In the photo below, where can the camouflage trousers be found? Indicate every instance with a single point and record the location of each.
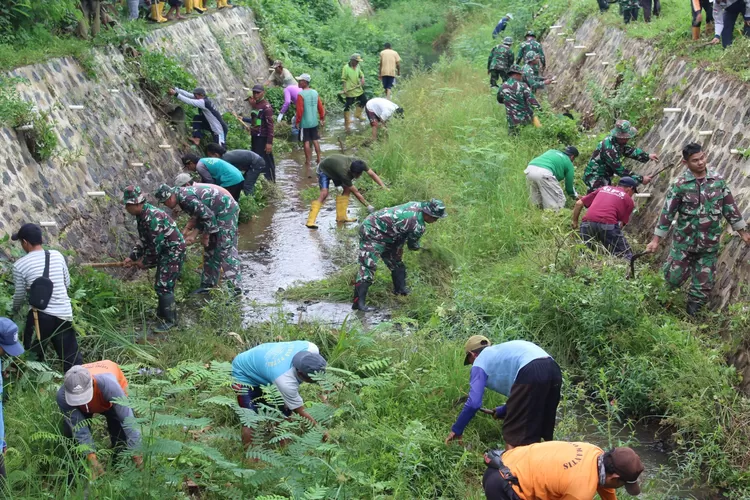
(168, 268)
(370, 250)
(594, 182)
(221, 254)
(700, 267)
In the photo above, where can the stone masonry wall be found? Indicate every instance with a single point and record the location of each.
(117, 127)
(709, 101)
(358, 7)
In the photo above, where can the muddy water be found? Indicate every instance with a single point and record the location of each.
(277, 250)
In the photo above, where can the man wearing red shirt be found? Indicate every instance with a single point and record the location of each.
(609, 209)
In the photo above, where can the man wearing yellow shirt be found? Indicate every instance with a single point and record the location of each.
(353, 80)
(559, 470)
(390, 68)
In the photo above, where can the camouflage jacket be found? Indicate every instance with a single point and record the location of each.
(606, 161)
(518, 101)
(206, 206)
(700, 205)
(531, 46)
(396, 225)
(531, 78)
(501, 58)
(158, 234)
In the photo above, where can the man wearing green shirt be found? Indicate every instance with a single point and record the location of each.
(342, 170)
(544, 173)
(353, 80)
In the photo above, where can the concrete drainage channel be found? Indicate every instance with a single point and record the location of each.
(278, 251)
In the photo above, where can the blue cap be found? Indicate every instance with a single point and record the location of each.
(9, 337)
(628, 182)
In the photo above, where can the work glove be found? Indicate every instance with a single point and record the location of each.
(280, 117)
(370, 209)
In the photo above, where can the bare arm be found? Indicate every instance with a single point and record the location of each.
(577, 213)
(375, 177)
(359, 196)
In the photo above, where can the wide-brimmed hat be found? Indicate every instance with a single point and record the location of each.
(164, 192)
(132, 195)
(515, 69)
(623, 130)
(508, 40)
(530, 56)
(277, 63)
(531, 33)
(434, 208)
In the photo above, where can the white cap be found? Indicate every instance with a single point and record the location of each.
(509, 16)
(305, 77)
(182, 179)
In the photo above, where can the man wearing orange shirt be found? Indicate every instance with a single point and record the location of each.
(558, 470)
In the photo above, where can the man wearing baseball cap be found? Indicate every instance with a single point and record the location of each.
(609, 209)
(53, 323)
(8, 345)
(89, 390)
(280, 76)
(261, 129)
(208, 118)
(558, 469)
(526, 375)
(283, 364)
(310, 114)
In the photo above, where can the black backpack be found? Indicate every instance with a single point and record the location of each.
(40, 290)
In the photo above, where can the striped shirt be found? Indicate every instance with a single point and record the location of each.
(30, 267)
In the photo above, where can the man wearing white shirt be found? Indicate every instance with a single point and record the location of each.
(379, 111)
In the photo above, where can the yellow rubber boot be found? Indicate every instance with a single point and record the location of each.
(160, 9)
(342, 203)
(358, 113)
(198, 6)
(156, 13)
(696, 33)
(347, 120)
(314, 209)
(188, 6)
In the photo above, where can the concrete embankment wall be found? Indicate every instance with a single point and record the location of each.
(117, 127)
(709, 102)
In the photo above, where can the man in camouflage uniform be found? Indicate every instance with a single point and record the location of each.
(161, 245)
(606, 160)
(500, 61)
(518, 100)
(216, 216)
(699, 198)
(531, 72)
(384, 234)
(629, 10)
(531, 45)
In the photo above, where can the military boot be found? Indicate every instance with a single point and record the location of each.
(398, 276)
(167, 313)
(360, 296)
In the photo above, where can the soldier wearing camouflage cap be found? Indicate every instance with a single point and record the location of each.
(606, 160)
(161, 245)
(500, 61)
(518, 99)
(384, 234)
(216, 216)
(702, 199)
(531, 45)
(531, 72)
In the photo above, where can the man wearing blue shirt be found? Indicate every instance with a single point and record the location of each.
(501, 25)
(523, 372)
(283, 364)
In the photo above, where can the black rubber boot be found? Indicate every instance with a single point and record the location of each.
(167, 313)
(360, 297)
(692, 308)
(398, 276)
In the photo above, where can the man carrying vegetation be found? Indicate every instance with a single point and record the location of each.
(531, 45)
(214, 170)
(342, 170)
(526, 375)
(531, 72)
(384, 234)
(310, 115)
(606, 160)
(209, 118)
(285, 365)
(379, 111)
(518, 99)
(500, 61)
(353, 81)
(92, 389)
(700, 198)
(161, 245)
(560, 470)
(609, 209)
(389, 69)
(543, 176)
(250, 164)
(216, 216)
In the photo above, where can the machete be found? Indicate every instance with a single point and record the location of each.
(631, 272)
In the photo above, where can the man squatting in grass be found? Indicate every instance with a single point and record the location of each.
(543, 176)
(342, 170)
(379, 111)
(285, 365)
(526, 375)
(702, 199)
(214, 170)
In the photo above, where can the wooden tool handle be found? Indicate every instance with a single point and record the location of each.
(103, 264)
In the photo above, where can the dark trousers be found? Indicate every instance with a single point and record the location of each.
(258, 146)
(200, 124)
(57, 331)
(497, 74)
(235, 190)
(117, 436)
(361, 100)
(497, 488)
(251, 177)
(609, 235)
(706, 6)
(647, 9)
(603, 5)
(731, 13)
(628, 14)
